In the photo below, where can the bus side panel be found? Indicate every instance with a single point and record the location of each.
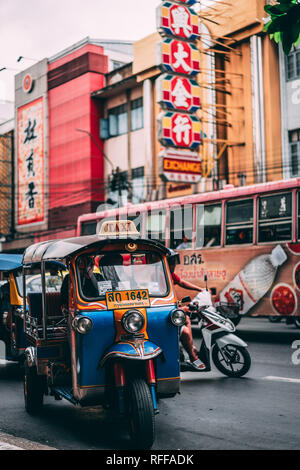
(223, 265)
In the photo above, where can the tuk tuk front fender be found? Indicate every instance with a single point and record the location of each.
(141, 350)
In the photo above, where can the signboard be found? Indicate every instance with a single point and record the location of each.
(178, 57)
(186, 2)
(177, 20)
(27, 83)
(179, 130)
(30, 163)
(180, 165)
(178, 93)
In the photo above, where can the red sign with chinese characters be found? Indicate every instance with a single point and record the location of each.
(178, 21)
(176, 92)
(179, 57)
(30, 163)
(179, 130)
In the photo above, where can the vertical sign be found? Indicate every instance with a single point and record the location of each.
(30, 163)
(178, 93)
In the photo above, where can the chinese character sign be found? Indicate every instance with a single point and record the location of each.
(176, 92)
(179, 130)
(30, 163)
(178, 57)
(177, 20)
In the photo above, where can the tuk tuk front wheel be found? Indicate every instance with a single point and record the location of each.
(141, 414)
(34, 387)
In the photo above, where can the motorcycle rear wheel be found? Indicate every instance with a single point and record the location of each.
(141, 414)
(231, 360)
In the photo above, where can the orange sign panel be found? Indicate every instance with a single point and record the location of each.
(127, 299)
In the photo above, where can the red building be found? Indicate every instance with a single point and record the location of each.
(59, 169)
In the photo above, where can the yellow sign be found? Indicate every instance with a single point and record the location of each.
(127, 299)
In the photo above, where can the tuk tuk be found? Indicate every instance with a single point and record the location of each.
(111, 335)
(11, 303)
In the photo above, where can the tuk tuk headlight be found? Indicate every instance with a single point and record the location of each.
(178, 317)
(82, 324)
(133, 321)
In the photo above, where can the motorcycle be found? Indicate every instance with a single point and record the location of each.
(219, 343)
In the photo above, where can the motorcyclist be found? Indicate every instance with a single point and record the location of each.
(186, 335)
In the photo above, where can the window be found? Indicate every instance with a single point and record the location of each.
(239, 222)
(294, 145)
(156, 226)
(275, 218)
(137, 114)
(117, 120)
(88, 228)
(181, 227)
(138, 185)
(293, 65)
(209, 220)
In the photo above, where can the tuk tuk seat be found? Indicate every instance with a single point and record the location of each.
(34, 300)
(53, 305)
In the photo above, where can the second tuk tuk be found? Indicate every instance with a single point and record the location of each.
(11, 311)
(111, 335)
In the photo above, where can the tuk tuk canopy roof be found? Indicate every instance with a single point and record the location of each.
(10, 262)
(60, 249)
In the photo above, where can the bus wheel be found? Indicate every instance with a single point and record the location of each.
(34, 387)
(141, 414)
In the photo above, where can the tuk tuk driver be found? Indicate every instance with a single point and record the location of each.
(186, 335)
(87, 278)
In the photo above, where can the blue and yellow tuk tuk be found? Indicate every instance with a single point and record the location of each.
(110, 336)
(11, 307)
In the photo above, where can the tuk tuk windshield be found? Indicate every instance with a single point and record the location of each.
(121, 271)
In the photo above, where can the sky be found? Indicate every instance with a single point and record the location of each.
(37, 29)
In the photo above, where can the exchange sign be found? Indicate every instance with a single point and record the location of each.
(178, 93)
(180, 165)
(177, 20)
(179, 130)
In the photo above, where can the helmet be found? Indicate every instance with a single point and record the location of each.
(173, 257)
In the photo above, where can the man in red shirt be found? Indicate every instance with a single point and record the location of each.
(186, 336)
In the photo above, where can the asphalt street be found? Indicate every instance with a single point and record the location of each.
(259, 411)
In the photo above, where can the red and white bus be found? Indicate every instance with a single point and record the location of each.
(246, 239)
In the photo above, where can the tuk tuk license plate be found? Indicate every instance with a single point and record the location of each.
(127, 299)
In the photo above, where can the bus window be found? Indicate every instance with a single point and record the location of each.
(239, 222)
(181, 227)
(275, 218)
(156, 226)
(88, 228)
(209, 220)
(137, 219)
